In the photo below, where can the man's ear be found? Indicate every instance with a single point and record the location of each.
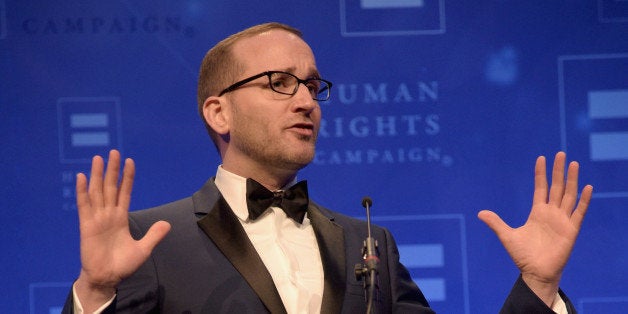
(216, 114)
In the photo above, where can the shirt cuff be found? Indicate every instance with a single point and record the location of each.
(78, 307)
(559, 305)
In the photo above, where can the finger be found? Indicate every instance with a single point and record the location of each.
(540, 182)
(558, 180)
(82, 199)
(494, 222)
(154, 235)
(583, 205)
(110, 185)
(571, 189)
(126, 185)
(95, 183)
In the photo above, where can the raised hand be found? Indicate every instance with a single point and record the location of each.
(108, 252)
(542, 246)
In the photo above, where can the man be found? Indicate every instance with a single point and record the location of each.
(258, 93)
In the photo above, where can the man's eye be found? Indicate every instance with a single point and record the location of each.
(279, 83)
(313, 86)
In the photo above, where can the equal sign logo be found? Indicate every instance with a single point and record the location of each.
(426, 256)
(394, 17)
(608, 105)
(88, 126)
(89, 129)
(593, 103)
(389, 4)
(438, 263)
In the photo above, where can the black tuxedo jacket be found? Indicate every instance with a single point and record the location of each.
(207, 264)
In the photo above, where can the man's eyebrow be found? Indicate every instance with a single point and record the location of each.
(314, 74)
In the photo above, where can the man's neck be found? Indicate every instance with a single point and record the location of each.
(270, 178)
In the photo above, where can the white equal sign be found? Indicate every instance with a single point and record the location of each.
(391, 4)
(426, 256)
(608, 104)
(88, 129)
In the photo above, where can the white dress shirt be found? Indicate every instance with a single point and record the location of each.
(288, 249)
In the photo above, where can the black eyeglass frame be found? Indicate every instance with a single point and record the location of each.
(268, 74)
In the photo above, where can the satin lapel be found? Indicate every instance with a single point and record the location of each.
(330, 238)
(224, 229)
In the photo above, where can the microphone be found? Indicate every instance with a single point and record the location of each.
(368, 270)
(371, 256)
(367, 202)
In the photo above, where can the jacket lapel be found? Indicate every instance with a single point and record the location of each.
(330, 238)
(224, 229)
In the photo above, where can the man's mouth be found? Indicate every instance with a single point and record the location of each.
(303, 128)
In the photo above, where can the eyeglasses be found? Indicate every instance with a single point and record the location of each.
(287, 84)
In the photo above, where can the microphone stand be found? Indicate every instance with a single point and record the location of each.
(367, 272)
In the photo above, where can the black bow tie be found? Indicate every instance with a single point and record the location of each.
(293, 201)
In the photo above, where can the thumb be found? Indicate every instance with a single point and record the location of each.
(493, 221)
(155, 234)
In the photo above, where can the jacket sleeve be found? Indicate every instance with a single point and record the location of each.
(406, 295)
(68, 307)
(522, 300)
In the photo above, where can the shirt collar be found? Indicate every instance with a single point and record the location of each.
(233, 189)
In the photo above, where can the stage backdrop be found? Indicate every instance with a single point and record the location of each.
(439, 110)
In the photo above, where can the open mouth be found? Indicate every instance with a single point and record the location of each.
(303, 128)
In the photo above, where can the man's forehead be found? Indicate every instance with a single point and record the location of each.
(277, 48)
(271, 38)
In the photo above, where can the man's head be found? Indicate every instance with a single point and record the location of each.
(254, 125)
(220, 68)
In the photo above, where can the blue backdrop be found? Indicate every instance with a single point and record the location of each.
(439, 110)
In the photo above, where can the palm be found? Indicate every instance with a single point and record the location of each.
(528, 245)
(108, 252)
(541, 247)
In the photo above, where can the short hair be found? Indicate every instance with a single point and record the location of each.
(220, 67)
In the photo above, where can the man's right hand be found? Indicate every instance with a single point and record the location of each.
(108, 252)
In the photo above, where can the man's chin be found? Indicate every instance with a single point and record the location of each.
(297, 162)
